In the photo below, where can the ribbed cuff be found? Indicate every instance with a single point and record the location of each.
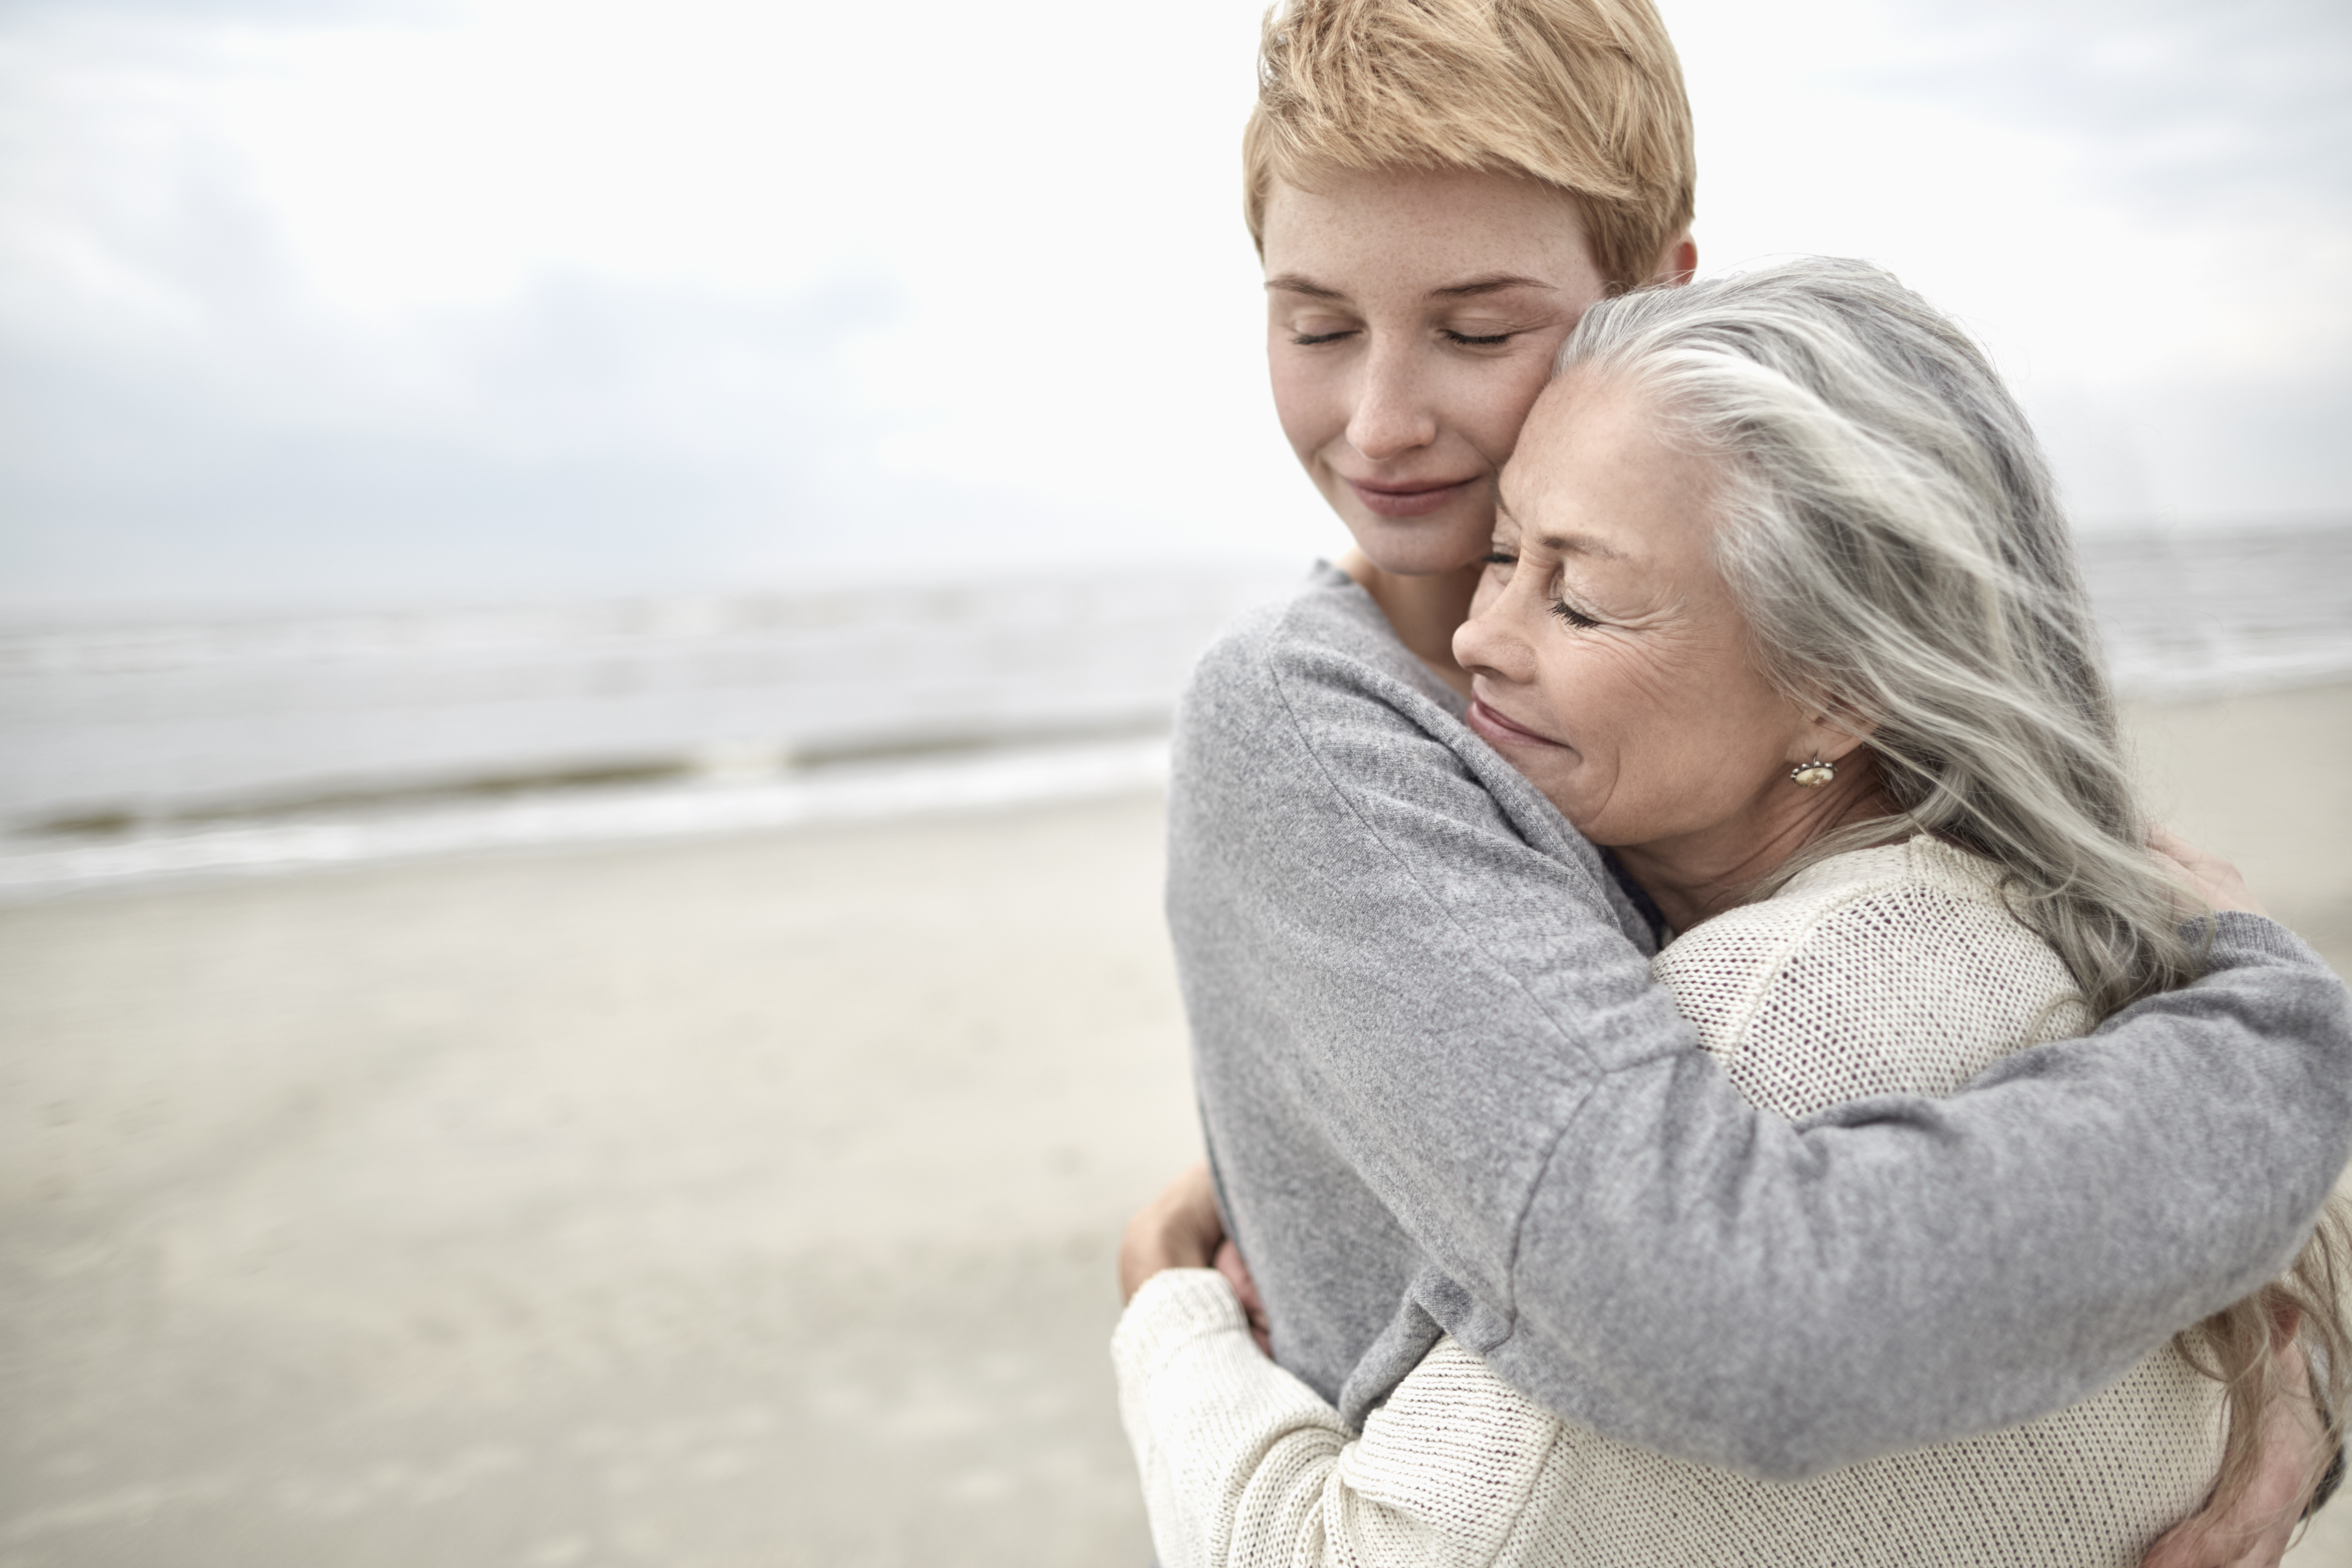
(2238, 937)
(1175, 1307)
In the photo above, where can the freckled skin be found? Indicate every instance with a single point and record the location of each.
(1406, 383)
(1391, 394)
(1651, 728)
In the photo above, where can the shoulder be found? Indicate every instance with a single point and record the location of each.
(1868, 911)
(1311, 747)
(1303, 703)
(1311, 706)
(1326, 646)
(1897, 970)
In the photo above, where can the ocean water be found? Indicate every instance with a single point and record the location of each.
(127, 724)
(2193, 614)
(197, 748)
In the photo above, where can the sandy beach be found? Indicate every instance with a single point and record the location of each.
(748, 1201)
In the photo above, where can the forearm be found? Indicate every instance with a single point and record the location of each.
(1645, 1254)
(1243, 1463)
(1229, 1446)
(1783, 1300)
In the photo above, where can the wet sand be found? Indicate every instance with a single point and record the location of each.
(744, 1201)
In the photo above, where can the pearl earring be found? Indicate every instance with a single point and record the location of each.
(1812, 775)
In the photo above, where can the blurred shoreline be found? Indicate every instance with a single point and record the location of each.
(243, 746)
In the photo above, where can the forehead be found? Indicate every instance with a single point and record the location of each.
(1592, 463)
(1426, 226)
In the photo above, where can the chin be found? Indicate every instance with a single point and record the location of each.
(1423, 546)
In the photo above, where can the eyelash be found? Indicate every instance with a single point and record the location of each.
(1560, 608)
(1572, 615)
(1459, 340)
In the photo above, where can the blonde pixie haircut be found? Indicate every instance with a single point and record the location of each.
(1582, 95)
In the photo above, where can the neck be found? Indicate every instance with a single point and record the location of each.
(1423, 612)
(1696, 875)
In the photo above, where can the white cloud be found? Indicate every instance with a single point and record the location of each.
(2144, 207)
(510, 296)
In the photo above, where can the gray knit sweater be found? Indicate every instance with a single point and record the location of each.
(1442, 1096)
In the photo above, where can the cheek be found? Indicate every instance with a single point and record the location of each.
(1705, 736)
(1490, 407)
(1689, 750)
(1646, 737)
(1306, 397)
(1604, 712)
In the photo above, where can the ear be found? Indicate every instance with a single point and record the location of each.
(1834, 736)
(1679, 260)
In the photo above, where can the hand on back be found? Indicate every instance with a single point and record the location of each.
(2210, 883)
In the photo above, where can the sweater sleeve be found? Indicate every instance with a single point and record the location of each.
(1367, 906)
(1243, 1464)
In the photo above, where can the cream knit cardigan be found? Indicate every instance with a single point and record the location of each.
(1896, 970)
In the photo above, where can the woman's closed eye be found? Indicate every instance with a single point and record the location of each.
(1503, 563)
(1494, 330)
(1572, 615)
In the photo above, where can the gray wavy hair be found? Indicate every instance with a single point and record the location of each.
(1893, 537)
(1894, 540)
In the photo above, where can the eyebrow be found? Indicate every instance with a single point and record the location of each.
(1580, 544)
(1293, 283)
(1494, 284)
(1565, 544)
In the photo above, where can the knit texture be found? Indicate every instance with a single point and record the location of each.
(1443, 1095)
(1890, 970)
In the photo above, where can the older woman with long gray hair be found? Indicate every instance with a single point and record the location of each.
(1783, 610)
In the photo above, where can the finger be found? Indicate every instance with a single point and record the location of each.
(1190, 1207)
(1236, 1270)
(2265, 1551)
(1192, 1189)
(2186, 862)
(1245, 1286)
(1228, 1262)
(2183, 1546)
(2230, 1540)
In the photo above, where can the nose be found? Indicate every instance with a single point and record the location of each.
(1393, 414)
(1490, 644)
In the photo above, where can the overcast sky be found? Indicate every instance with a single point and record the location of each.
(384, 301)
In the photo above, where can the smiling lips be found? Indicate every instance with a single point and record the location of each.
(1407, 500)
(1498, 730)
